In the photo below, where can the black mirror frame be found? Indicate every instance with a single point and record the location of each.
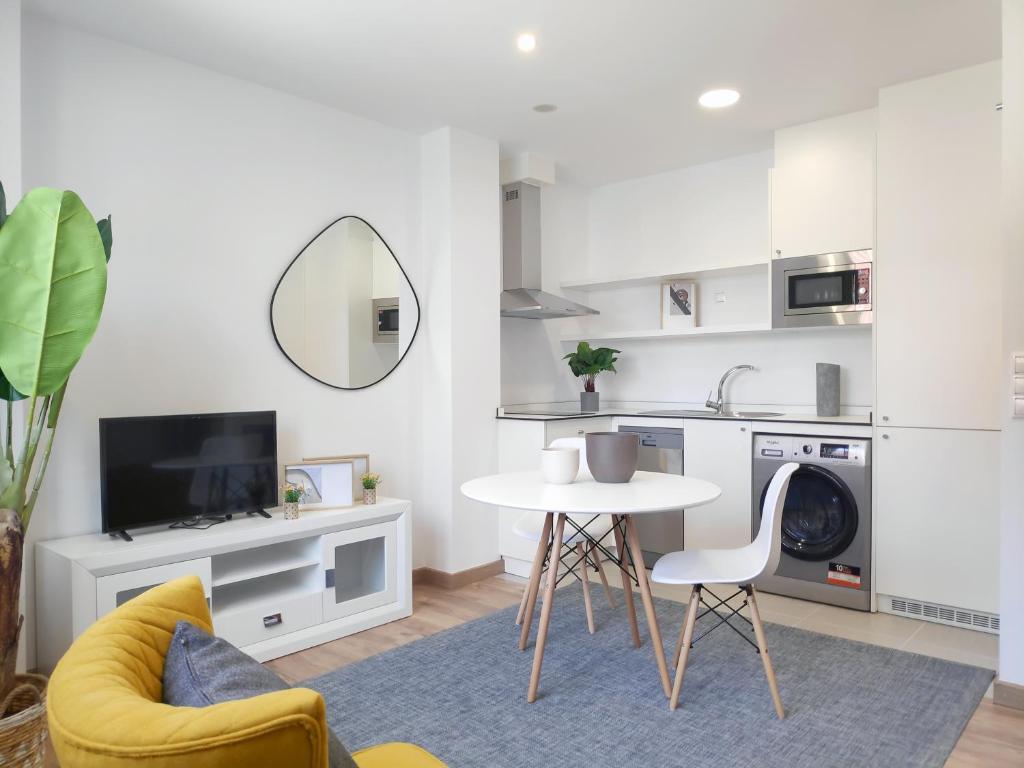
(412, 288)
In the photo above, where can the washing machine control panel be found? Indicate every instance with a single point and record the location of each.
(820, 450)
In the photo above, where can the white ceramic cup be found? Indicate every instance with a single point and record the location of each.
(559, 465)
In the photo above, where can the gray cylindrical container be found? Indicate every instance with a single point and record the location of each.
(612, 456)
(828, 389)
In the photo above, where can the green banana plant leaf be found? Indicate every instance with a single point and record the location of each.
(106, 235)
(53, 279)
(7, 392)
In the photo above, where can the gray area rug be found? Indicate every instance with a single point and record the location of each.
(462, 695)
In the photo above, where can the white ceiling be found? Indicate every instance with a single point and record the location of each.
(625, 74)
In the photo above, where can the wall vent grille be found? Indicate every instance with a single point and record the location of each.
(940, 614)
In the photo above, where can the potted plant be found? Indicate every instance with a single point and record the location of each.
(293, 496)
(370, 481)
(53, 279)
(587, 362)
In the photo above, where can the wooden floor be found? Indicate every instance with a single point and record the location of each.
(993, 738)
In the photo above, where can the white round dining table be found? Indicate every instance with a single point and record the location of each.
(646, 493)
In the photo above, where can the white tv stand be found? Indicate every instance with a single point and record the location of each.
(275, 586)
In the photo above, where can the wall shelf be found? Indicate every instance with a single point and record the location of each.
(706, 330)
(625, 281)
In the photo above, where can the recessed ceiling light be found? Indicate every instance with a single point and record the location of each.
(718, 98)
(545, 108)
(526, 42)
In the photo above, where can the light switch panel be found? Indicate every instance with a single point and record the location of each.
(1018, 407)
(1018, 364)
(1018, 385)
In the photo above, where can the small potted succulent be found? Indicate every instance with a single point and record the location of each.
(370, 481)
(293, 495)
(586, 362)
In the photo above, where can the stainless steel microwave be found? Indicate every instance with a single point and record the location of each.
(827, 289)
(385, 321)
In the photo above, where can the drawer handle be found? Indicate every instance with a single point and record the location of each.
(272, 620)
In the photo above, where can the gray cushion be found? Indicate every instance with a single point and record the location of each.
(201, 669)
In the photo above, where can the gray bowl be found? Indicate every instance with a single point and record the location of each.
(612, 456)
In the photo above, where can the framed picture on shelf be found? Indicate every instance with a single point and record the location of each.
(678, 305)
(325, 484)
(360, 466)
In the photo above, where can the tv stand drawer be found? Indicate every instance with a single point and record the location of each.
(273, 617)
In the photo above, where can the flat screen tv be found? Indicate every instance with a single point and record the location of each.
(165, 469)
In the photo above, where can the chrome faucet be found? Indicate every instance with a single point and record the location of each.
(716, 405)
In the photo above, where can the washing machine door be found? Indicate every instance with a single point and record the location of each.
(819, 519)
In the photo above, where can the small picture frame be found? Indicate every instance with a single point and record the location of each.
(678, 305)
(360, 466)
(327, 484)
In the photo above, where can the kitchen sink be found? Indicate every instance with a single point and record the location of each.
(713, 415)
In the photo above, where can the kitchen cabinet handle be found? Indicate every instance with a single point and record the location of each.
(743, 429)
(885, 418)
(272, 620)
(885, 436)
(778, 252)
(579, 432)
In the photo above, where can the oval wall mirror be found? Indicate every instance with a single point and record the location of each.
(344, 311)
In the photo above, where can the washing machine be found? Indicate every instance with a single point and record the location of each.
(826, 522)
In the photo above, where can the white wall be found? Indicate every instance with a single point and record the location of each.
(10, 99)
(689, 219)
(214, 185)
(1011, 610)
(10, 158)
(458, 431)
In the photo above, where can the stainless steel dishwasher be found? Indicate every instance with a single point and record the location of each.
(661, 450)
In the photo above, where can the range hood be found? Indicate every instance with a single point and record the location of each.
(521, 259)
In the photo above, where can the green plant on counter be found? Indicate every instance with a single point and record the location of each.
(586, 362)
(370, 480)
(53, 280)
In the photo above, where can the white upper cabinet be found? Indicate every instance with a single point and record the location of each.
(937, 264)
(722, 452)
(823, 186)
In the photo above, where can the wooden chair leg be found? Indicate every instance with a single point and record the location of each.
(595, 556)
(585, 578)
(682, 629)
(545, 611)
(627, 584)
(522, 604)
(648, 601)
(534, 586)
(762, 644)
(683, 651)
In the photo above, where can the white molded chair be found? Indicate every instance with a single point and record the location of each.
(575, 546)
(739, 567)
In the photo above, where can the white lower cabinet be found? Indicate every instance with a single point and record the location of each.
(720, 452)
(358, 569)
(937, 516)
(118, 588)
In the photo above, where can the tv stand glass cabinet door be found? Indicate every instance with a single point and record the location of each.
(118, 588)
(359, 569)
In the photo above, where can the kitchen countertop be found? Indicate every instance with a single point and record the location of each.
(571, 410)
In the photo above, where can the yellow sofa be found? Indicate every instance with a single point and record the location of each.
(105, 710)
